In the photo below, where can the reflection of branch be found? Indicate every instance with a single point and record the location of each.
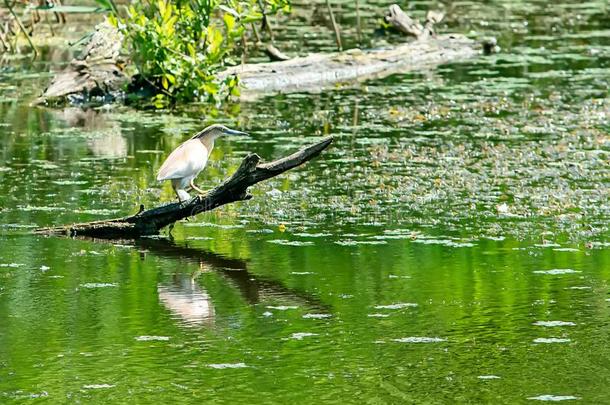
(252, 287)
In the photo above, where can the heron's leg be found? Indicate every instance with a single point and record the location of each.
(200, 191)
(177, 195)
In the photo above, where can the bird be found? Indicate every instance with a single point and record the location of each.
(185, 162)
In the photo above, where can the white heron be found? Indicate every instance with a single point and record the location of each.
(190, 158)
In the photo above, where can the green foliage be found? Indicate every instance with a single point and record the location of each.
(179, 46)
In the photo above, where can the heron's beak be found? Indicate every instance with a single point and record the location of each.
(234, 132)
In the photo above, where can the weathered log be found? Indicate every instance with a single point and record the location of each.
(235, 188)
(96, 72)
(275, 54)
(402, 22)
(317, 71)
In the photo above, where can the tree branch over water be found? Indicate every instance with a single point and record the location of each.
(235, 188)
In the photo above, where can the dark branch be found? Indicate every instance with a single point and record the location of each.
(235, 188)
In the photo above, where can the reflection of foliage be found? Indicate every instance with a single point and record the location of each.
(178, 46)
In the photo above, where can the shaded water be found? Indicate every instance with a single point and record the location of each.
(452, 246)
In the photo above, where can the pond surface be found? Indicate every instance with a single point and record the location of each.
(451, 246)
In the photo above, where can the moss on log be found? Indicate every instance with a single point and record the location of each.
(235, 188)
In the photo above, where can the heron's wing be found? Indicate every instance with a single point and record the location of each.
(186, 160)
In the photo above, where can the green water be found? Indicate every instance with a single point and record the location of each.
(451, 247)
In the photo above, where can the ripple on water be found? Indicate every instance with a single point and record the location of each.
(312, 235)
(553, 398)
(552, 340)
(281, 307)
(221, 366)
(488, 377)
(419, 339)
(147, 338)
(301, 335)
(285, 242)
(351, 242)
(556, 271)
(97, 386)
(550, 324)
(444, 242)
(316, 316)
(398, 305)
(98, 285)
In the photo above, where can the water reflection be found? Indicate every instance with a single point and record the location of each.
(104, 137)
(189, 301)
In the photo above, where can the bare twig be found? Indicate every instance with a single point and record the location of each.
(21, 27)
(335, 27)
(358, 22)
(266, 22)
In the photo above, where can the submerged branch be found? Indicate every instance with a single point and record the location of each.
(235, 188)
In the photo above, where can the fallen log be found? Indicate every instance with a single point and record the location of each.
(235, 188)
(321, 70)
(96, 74)
(100, 74)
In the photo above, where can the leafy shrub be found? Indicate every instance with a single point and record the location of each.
(178, 46)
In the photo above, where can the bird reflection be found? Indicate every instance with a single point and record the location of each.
(188, 300)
